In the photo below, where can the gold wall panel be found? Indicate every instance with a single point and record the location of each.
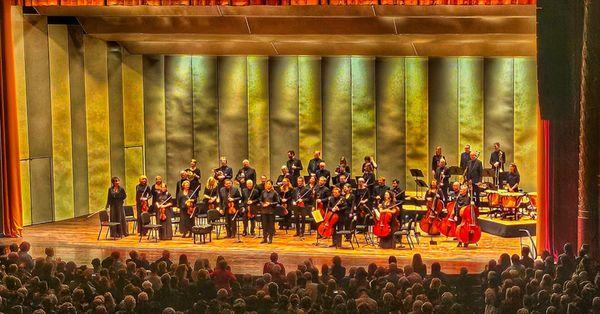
(155, 151)
(115, 110)
(258, 109)
(443, 108)
(363, 112)
(470, 103)
(134, 162)
(417, 145)
(498, 91)
(133, 100)
(310, 122)
(26, 192)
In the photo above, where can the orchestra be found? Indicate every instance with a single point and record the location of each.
(335, 201)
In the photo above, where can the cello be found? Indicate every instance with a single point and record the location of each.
(468, 231)
(448, 226)
(331, 218)
(430, 223)
(382, 226)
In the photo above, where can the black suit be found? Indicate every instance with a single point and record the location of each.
(464, 160)
(474, 173)
(324, 173)
(249, 174)
(313, 165)
(224, 195)
(294, 173)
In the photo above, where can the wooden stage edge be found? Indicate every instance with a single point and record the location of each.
(75, 240)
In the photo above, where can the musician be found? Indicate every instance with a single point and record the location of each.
(183, 176)
(442, 175)
(454, 192)
(114, 201)
(286, 197)
(379, 190)
(321, 193)
(224, 172)
(369, 176)
(435, 160)
(433, 192)
(341, 169)
(164, 213)
(142, 199)
(269, 200)
(155, 190)
(362, 198)
(323, 173)
(473, 174)
(314, 163)
(245, 173)
(465, 157)
(342, 180)
(388, 205)
(230, 200)
(211, 195)
(285, 174)
(186, 202)
(294, 166)
(398, 194)
(194, 174)
(302, 198)
(369, 165)
(250, 197)
(513, 178)
(338, 206)
(261, 186)
(462, 200)
(348, 195)
(497, 161)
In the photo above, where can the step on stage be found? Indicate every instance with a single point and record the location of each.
(507, 228)
(75, 240)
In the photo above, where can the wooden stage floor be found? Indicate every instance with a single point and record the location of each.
(75, 240)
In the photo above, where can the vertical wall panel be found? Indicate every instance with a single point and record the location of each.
(179, 120)
(133, 120)
(283, 112)
(499, 107)
(233, 110)
(524, 122)
(78, 126)
(363, 111)
(443, 108)
(310, 122)
(62, 161)
(337, 118)
(206, 113)
(25, 192)
(20, 85)
(154, 116)
(41, 185)
(470, 103)
(115, 111)
(391, 119)
(97, 120)
(258, 109)
(416, 117)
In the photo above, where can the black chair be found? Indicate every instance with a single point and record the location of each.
(105, 222)
(405, 230)
(214, 219)
(363, 227)
(351, 233)
(148, 225)
(129, 217)
(176, 218)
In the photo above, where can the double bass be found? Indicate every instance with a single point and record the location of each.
(448, 226)
(468, 231)
(430, 223)
(331, 218)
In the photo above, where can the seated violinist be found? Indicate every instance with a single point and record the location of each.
(513, 178)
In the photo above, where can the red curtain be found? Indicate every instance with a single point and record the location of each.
(12, 209)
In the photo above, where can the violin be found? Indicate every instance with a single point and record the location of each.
(162, 210)
(250, 212)
(383, 221)
(231, 210)
(327, 227)
(468, 231)
(144, 201)
(430, 223)
(190, 203)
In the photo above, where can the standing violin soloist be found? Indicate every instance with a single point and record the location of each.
(114, 201)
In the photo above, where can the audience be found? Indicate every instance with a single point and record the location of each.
(513, 284)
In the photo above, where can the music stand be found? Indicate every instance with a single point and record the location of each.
(416, 174)
(420, 184)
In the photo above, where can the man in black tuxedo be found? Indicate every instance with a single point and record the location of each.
(473, 173)
(465, 157)
(294, 166)
(322, 172)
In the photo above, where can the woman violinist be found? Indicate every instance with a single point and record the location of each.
(186, 202)
(142, 199)
(211, 195)
(388, 210)
(155, 190)
(286, 195)
(164, 213)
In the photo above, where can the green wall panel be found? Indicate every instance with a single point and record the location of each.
(179, 119)
(20, 78)
(62, 154)
(416, 116)
(40, 171)
(78, 121)
(310, 122)
(283, 112)
(154, 116)
(363, 111)
(206, 113)
(115, 111)
(337, 118)
(134, 161)
(233, 110)
(391, 119)
(470, 103)
(499, 107)
(443, 108)
(133, 100)
(525, 122)
(37, 75)
(258, 109)
(25, 192)
(97, 121)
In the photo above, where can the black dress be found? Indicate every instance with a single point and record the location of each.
(209, 193)
(114, 201)
(186, 221)
(166, 230)
(141, 191)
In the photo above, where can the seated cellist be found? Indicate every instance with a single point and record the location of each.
(388, 207)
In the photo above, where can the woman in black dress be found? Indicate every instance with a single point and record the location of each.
(114, 201)
(164, 213)
(156, 187)
(210, 199)
(286, 195)
(186, 202)
(389, 206)
(142, 199)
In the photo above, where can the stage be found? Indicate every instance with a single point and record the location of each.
(75, 240)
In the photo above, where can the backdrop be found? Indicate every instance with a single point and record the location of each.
(88, 111)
